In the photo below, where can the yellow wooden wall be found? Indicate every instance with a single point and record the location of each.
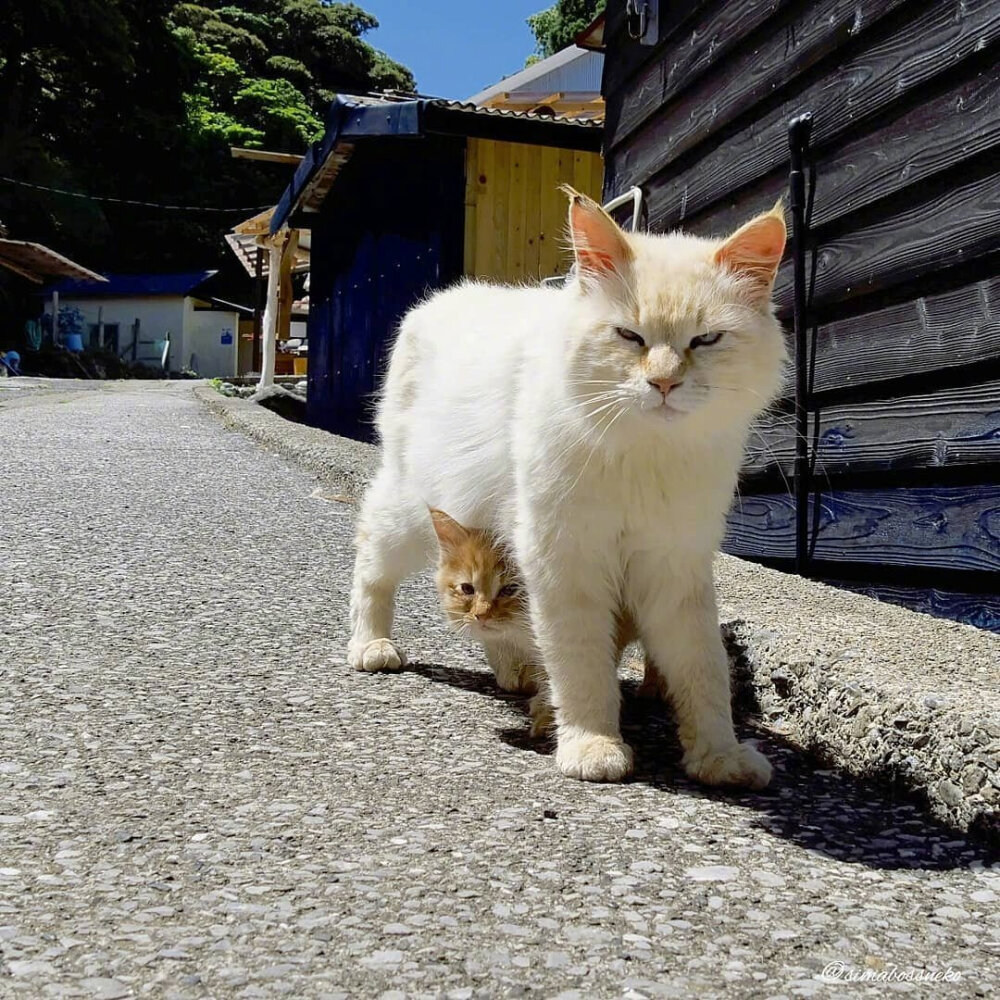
(515, 214)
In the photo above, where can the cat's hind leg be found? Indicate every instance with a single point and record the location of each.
(653, 684)
(393, 541)
(680, 631)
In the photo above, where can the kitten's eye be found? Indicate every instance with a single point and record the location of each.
(706, 339)
(630, 335)
(507, 591)
(467, 588)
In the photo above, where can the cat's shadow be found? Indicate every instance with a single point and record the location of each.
(816, 805)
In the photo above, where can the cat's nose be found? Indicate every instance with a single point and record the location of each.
(665, 384)
(481, 612)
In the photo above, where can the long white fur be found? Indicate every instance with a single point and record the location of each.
(521, 410)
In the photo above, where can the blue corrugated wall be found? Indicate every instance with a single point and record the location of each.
(390, 230)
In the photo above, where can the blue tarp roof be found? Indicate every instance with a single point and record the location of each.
(127, 285)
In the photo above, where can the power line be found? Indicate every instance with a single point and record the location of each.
(133, 201)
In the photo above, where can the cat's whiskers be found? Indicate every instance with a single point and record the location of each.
(777, 462)
(739, 494)
(581, 439)
(789, 424)
(577, 412)
(597, 444)
(578, 401)
(607, 404)
(786, 421)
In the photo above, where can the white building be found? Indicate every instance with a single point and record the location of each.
(142, 316)
(567, 83)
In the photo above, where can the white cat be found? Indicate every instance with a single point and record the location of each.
(598, 429)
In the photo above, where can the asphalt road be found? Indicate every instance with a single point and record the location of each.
(199, 799)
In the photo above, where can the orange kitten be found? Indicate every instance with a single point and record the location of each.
(483, 597)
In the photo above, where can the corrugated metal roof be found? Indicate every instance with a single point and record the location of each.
(36, 262)
(127, 285)
(469, 108)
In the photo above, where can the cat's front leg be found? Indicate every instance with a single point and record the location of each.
(391, 544)
(574, 627)
(513, 670)
(679, 623)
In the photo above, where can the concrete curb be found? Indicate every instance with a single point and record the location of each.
(342, 465)
(884, 693)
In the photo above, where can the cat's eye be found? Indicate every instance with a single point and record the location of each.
(467, 588)
(706, 340)
(509, 590)
(630, 335)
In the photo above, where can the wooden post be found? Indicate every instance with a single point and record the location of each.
(270, 332)
(285, 292)
(55, 317)
(278, 306)
(257, 311)
(100, 327)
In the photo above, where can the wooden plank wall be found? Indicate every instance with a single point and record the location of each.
(904, 244)
(515, 214)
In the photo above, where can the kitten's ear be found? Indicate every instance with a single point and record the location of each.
(599, 245)
(755, 250)
(449, 532)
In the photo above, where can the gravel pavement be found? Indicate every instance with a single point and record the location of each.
(199, 799)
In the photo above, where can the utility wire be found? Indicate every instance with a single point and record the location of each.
(132, 201)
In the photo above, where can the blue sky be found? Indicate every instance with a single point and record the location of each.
(455, 47)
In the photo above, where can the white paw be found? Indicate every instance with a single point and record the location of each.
(594, 758)
(742, 766)
(375, 656)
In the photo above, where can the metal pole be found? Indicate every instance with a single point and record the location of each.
(798, 143)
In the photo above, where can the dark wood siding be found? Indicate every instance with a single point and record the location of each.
(384, 237)
(903, 259)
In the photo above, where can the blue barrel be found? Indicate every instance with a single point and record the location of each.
(73, 342)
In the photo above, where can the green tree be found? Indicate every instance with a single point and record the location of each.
(141, 99)
(556, 27)
(91, 97)
(43, 45)
(270, 67)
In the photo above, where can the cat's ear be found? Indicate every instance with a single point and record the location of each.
(449, 532)
(599, 245)
(755, 250)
